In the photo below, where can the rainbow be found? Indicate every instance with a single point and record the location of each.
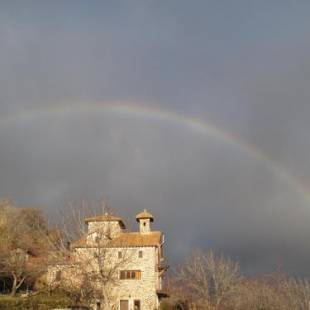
(129, 109)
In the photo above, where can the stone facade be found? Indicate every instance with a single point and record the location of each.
(134, 260)
(111, 229)
(144, 289)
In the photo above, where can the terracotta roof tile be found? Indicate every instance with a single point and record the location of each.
(105, 218)
(137, 239)
(144, 215)
(80, 243)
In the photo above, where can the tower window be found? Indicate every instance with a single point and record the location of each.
(130, 274)
(137, 305)
(120, 254)
(58, 275)
(140, 254)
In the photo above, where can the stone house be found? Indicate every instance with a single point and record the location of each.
(130, 264)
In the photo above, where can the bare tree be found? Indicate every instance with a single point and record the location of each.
(20, 266)
(272, 292)
(24, 242)
(208, 279)
(91, 266)
(14, 263)
(224, 276)
(295, 292)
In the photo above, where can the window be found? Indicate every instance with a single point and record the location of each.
(130, 274)
(140, 254)
(58, 275)
(120, 254)
(124, 305)
(137, 305)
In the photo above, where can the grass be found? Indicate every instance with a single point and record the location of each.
(41, 301)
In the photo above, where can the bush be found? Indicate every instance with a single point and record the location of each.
(37, 302)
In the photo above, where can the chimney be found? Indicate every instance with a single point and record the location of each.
(144, 219)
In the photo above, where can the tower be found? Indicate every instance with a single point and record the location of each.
(144, 219)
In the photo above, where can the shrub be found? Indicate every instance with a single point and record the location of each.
(37, 302)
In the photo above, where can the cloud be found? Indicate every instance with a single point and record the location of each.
(243, 66)
(225, 198)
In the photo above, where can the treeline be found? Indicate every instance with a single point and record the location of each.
(209, 282)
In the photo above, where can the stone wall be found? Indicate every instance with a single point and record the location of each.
(111, 229)
(86, 261)
(143, 289)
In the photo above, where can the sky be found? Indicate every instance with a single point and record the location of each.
(195, 110)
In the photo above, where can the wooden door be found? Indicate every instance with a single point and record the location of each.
(124, 305)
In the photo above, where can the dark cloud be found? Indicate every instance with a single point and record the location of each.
(245, 67)
(203, 192)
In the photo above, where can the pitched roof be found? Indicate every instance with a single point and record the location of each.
(132, 239)
(135, 239)
(80, 243)
(144, 215)
(105, 218)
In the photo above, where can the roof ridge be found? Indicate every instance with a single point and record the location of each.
(105, 218)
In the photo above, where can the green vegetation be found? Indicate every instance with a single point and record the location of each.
(36, 302)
